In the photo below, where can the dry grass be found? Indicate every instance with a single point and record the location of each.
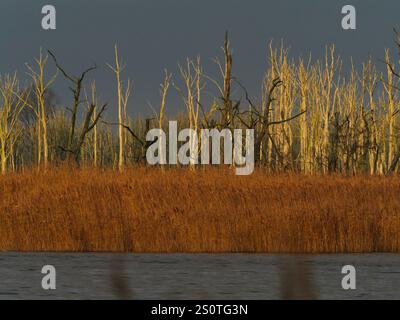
(150, 210)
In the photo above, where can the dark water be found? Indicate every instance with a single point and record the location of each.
(194, 276)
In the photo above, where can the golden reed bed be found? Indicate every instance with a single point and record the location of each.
(213, 210)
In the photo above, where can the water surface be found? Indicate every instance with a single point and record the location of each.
(198, 276)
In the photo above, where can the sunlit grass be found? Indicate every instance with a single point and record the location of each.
(211, 210)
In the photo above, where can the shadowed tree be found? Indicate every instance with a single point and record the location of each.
(75, 143)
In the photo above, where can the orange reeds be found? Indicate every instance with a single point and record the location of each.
(211, 210)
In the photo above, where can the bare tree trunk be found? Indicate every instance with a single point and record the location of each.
(391, 110)
(41, 86)
(3, 158)
(95, 140)
(39, 140)
(122, 104)
(163, 92)
(45, 142)
(120, 118)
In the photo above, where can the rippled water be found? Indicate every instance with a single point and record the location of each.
(198, 276)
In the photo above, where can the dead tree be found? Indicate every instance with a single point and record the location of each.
(396, 74)
(10, 110)
(122, 104)
(73, 147)
(229, 108)
(138, 138)
(259, 118)
(40, 88)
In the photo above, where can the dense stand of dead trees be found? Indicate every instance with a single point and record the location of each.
(311, 116)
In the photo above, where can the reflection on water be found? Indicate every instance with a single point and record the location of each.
(296, 278)
(199, 276)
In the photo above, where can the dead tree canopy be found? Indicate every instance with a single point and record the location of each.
(396, 157)
(258, 118)
(74, 145)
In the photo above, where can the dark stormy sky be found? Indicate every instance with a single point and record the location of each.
(153, 35)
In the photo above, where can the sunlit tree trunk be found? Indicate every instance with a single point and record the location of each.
(41, 87)
(122, 104)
